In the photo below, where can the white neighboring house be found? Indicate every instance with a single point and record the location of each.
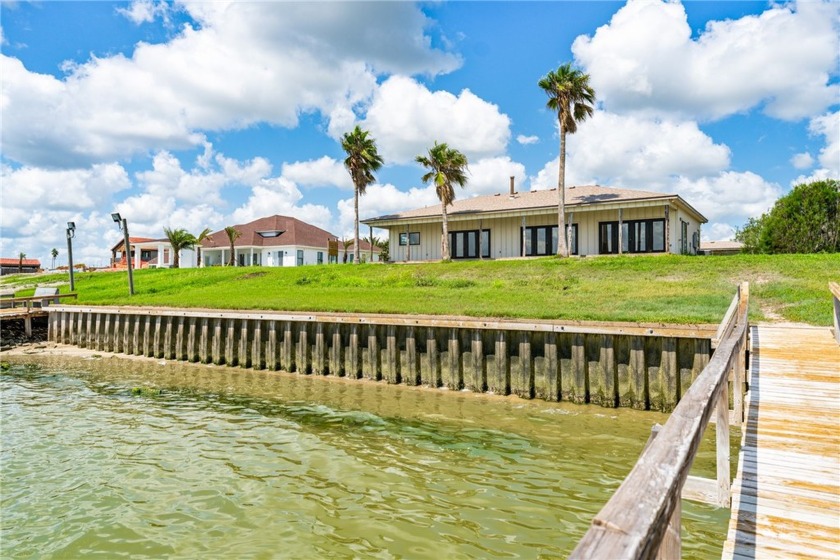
(150, 253)
(280, 241)
(600, 221)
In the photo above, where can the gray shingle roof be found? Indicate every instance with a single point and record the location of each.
(575, 196)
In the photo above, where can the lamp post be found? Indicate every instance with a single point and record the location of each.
(71, 233)
(123, 223)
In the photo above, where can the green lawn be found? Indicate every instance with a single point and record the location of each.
(672, 289)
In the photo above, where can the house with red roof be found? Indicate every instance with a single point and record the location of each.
(281, 241)
(150, 253)
(14, 265)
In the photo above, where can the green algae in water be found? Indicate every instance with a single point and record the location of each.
(223, 462)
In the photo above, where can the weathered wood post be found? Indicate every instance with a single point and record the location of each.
(522, 379)
(271, 346)
(231, 346)
(352, 361)
(391, 363)
(477, 381)
(336, 350)
(245, 343)
(722, 445)
(287, 349)
(452, 377)
(218, 342)
(370, 367)
(410, 366)
(204, 341)
(498, 381)
(258, 345)
(320, 365)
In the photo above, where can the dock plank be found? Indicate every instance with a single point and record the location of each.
(786, 495)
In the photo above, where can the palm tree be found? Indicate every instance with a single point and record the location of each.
(233, 234)
(571, 96)
(54, 254)
(179, 239)
(447, 166)
(20, 262)
(205, 233)
(362, 160)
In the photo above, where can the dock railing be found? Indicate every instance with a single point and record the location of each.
(834, 288)
(642, 519)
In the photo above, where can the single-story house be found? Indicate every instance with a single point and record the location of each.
(12, 266)
(150, 253)
(721, 247)
(600, 221)
(281, 241)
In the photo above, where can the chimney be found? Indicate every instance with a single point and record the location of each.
(512, 188)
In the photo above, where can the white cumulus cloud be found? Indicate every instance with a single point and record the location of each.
(636, 152)
(527, 140)
(646, 60)
(405, 118)
(802, 160)
(321, 172)
(238, 64)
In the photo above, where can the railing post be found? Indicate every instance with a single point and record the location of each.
(671, 545)
(722, 440)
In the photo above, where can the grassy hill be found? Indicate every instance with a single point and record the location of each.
(672, 289)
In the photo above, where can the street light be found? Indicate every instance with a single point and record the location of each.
(123, 223)
(71, 233)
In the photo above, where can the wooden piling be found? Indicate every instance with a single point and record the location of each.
(639, 370)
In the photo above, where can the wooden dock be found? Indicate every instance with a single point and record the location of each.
(786, 495)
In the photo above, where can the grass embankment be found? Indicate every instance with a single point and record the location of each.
(672, 289)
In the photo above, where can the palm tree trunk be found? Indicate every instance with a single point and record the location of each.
(176, 258)
(356, 253)
(562, 248)
(232, 260)
(198, 257)
(445, 241)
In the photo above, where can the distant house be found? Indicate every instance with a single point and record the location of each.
(600, 221)
(721, 247)
(280, 241)
(150, 253)
(12, 266)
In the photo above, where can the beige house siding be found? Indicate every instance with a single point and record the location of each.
(503, 214)
(505, 236)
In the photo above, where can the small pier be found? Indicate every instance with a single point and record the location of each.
(786, 495)
(785, 499)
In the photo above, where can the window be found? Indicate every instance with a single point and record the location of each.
(637, 236)
(683, 237)
(333, 259)
(465, 244)
(300, 257)
(320, 257)
(543, 240)
(413, 238)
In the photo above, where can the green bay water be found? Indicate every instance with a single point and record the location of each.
(115, 458)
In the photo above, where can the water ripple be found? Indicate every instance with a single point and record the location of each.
(149, 460)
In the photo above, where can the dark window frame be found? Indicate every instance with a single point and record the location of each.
(412, 237)
(299, 257)
(631, 237)
(453, 235)
(550, 244)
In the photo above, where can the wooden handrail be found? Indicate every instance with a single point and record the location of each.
(834, 288)
(14, 300)
(634, 521)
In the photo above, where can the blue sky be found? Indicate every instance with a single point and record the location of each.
(211, 114)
